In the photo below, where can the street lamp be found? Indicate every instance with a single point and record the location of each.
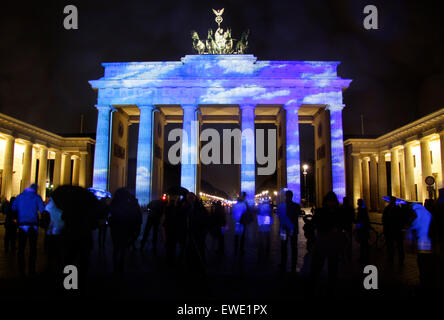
(305, 172)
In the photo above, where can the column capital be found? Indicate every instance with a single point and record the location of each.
(104, 107)
(356, 155)
(43, 147)
(246, 106)
(55, 150)
(409, 143)
(292, 104)
(189, 105)
(27, 142)
(335, 107)
(365, 157)
(8, 137)
(146, 106)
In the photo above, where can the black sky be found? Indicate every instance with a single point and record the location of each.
(397, 71)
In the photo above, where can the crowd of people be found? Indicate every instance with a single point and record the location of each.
(72, 213)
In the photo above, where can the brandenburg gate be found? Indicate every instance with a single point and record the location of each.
(218, 88)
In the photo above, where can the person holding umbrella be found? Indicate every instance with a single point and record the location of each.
(79, 213)
(175, 223)
(125, 221)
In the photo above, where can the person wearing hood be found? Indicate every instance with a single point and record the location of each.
(288, 213)
(418, 234)
(264, 222)
(54, 233)
(330, 240)
(28, 204)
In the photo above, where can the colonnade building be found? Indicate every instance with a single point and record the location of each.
(29, 154)
(397, 163)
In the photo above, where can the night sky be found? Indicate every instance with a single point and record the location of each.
(397, 71)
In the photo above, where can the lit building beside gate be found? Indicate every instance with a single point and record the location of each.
(29, 154)
(230, 88)
(397, 163)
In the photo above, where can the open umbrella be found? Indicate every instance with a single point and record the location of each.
(398, 201)
(177, 190)
(69, 198)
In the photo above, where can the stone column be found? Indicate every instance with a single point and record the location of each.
(337, 150)
(356, 178)
(83, 169)
(402, 187)
(366, 181)
(101, 152)
(373, 183)
(293, 150)
(43, 171)
(441, 139)
(248, 177)
(66, 178)
(409, 172)
(382, 179)
(56, 178)
(8, 162)
(394, 164)
(426, 166)
(76, 171)
(144, 155)
(189, 156)
(27, 163)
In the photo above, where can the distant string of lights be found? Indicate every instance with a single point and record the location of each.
(215, 198)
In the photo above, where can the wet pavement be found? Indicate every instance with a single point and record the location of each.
(228, 277)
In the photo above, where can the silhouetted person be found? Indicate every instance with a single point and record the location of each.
(429, 204)
(125, 220)
(28, 205)
(55, 237)
(239, 212)
(363, 231)
(79, 214)
(348, 216)
(197, 226)
(264, 222)
(309, 231)
(218, 222)
(393, 224)
(155, 211)
(102, 221)
(438, 228)
(175, 228)
(288, 212)
(418, 233)
(10, 226)
(330, 240)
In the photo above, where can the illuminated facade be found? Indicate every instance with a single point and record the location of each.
(218, 88)
(397, 163)
(29, 154)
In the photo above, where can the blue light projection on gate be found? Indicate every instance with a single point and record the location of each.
(227, 79)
